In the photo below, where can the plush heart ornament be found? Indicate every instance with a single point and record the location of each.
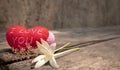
(18, 37)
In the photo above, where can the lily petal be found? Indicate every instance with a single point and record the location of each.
(53, 47)
(53, 63)
(40, 63)
(38, 58)
(43, 49)
(45, 44)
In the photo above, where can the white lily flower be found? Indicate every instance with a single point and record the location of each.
(48, 54)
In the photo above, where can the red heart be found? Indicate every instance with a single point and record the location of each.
(18, 37)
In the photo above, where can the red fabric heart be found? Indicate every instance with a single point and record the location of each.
(18, 37)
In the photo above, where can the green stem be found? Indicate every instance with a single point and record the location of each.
(62, 47)
(65, 52)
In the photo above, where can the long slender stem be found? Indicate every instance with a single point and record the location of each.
(63, 46)
(65, 52)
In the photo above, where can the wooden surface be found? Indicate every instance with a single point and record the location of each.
(99, 50)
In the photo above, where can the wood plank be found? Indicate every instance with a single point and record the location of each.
(102, 45)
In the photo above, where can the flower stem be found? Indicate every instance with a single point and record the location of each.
(62, 46)
(65, 52)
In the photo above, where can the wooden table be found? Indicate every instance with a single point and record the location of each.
(100, 50)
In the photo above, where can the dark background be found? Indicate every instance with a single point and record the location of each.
(56, 14)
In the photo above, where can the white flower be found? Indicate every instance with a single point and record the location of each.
(48, 54)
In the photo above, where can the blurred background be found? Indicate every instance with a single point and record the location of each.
(57, 14)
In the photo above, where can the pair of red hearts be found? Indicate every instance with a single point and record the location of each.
(19, 37)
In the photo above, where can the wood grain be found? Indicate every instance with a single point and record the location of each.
(99, 50)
